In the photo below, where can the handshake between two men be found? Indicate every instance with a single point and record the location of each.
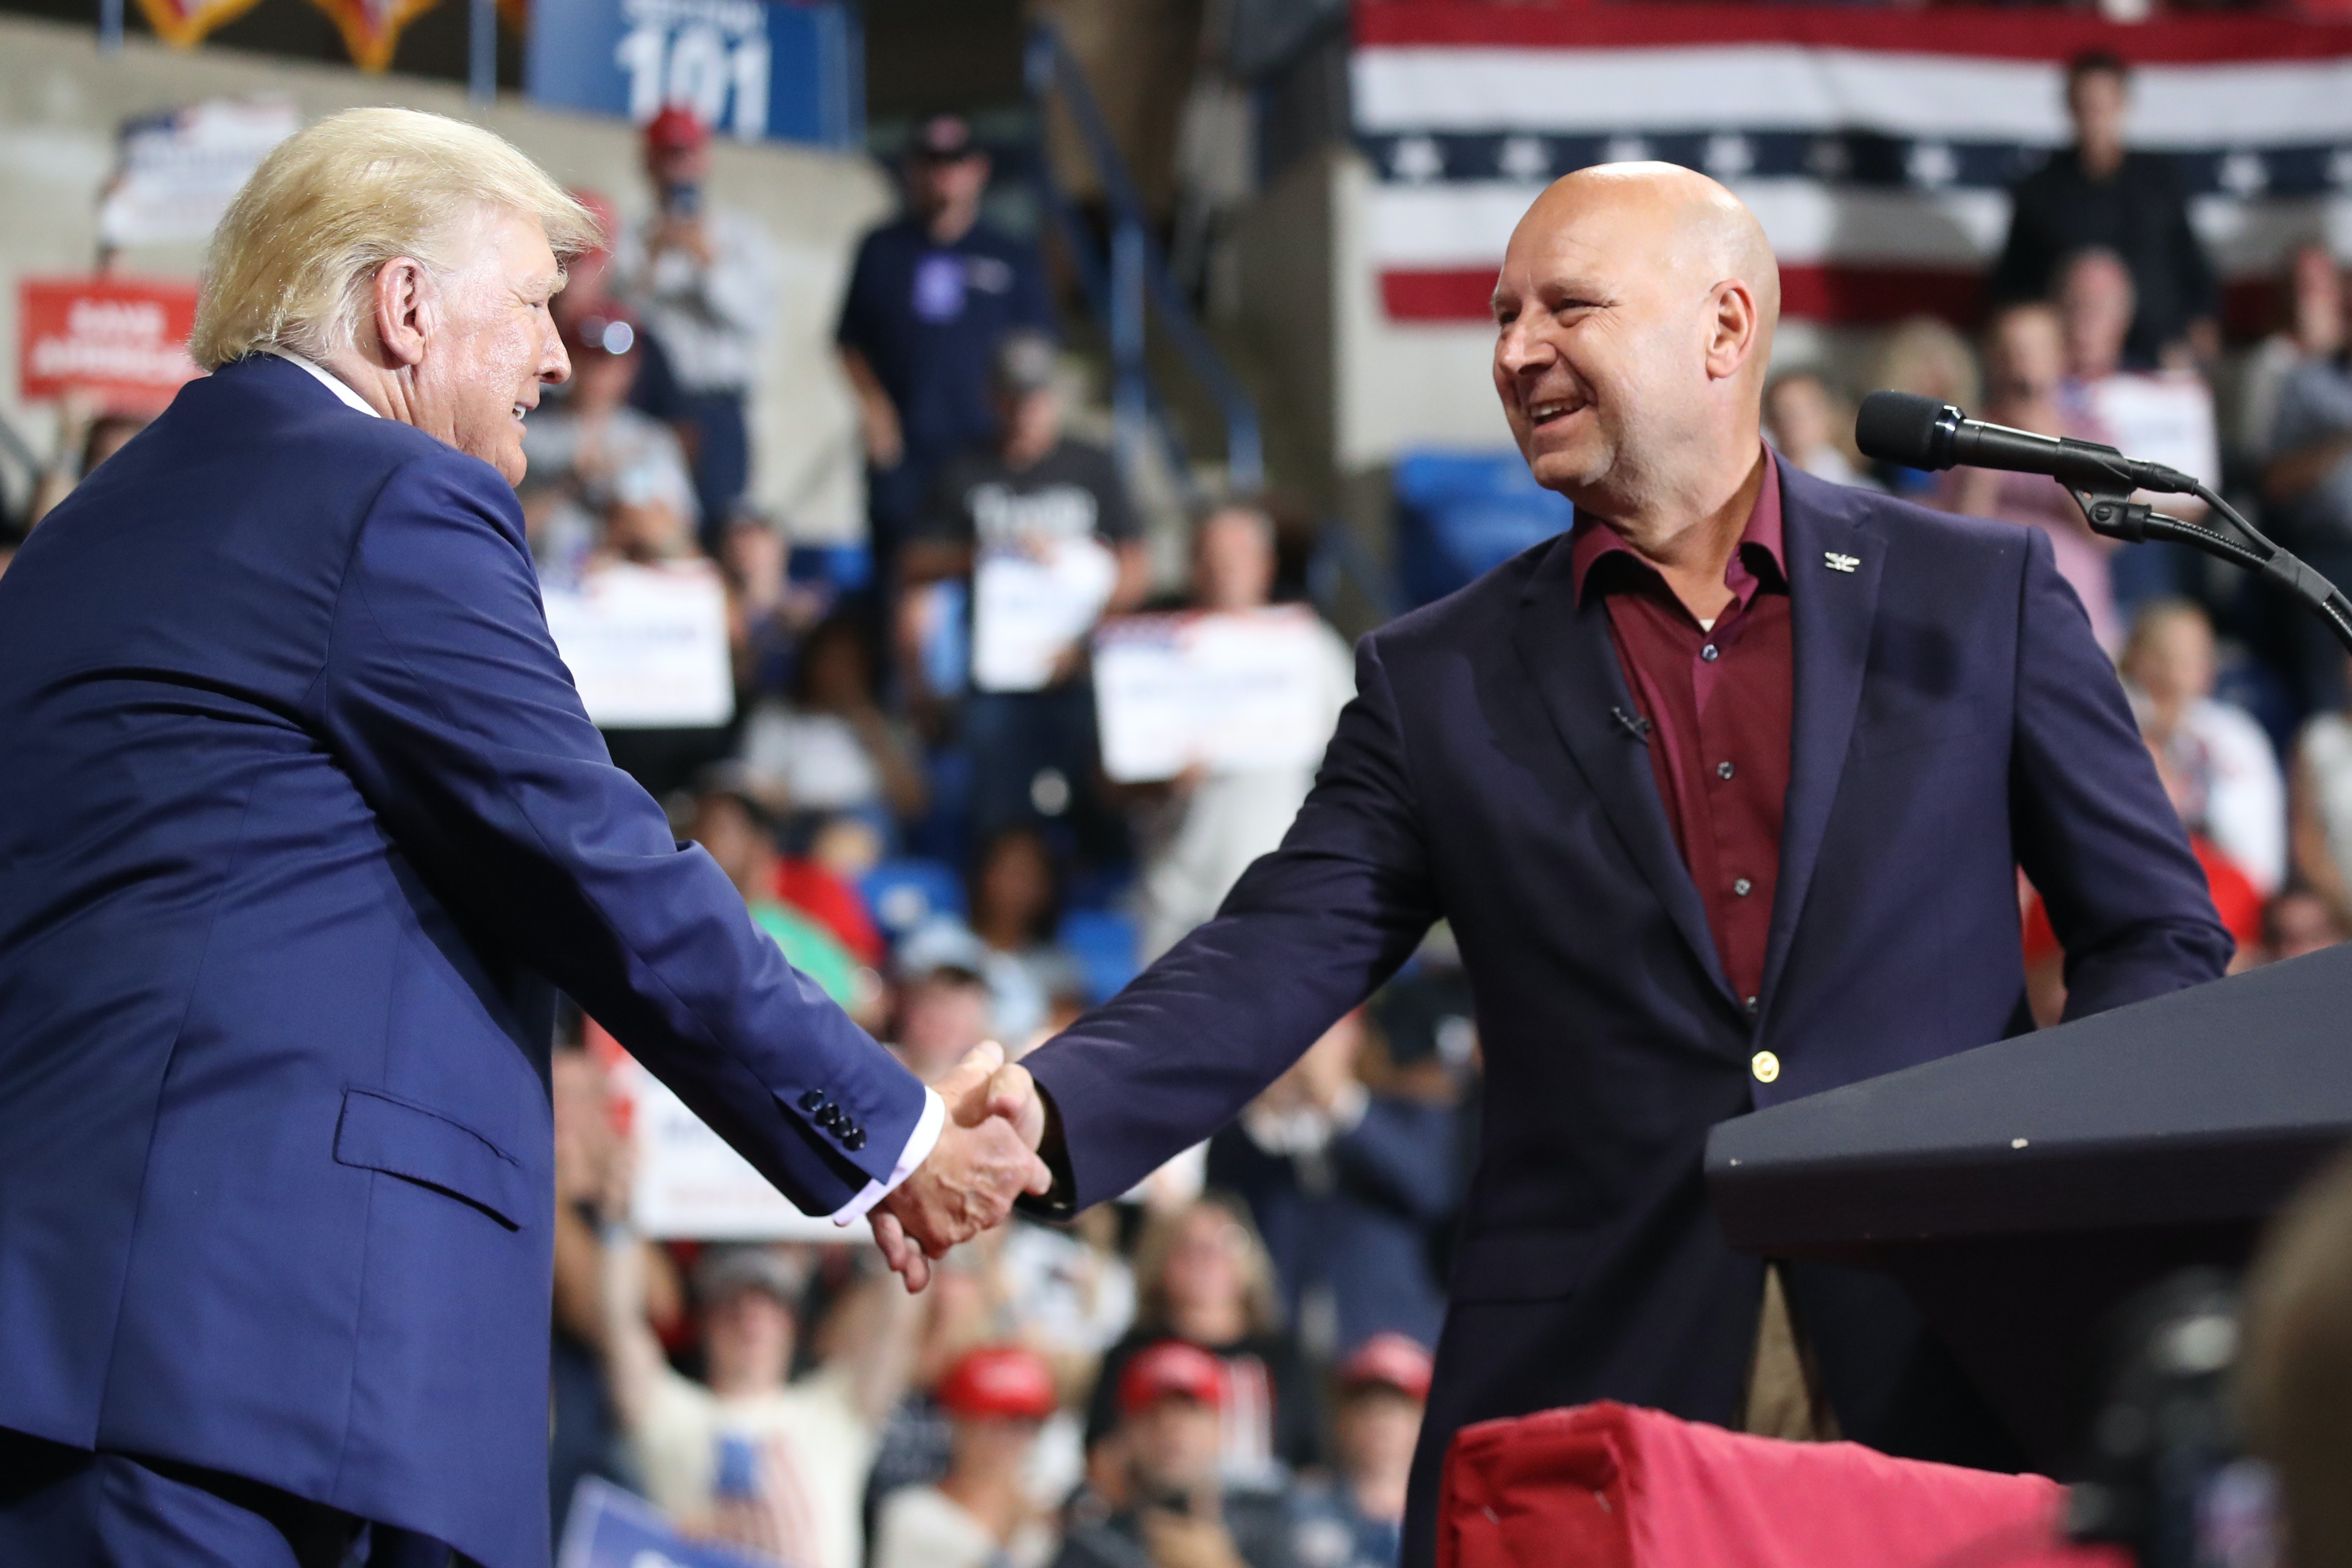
(985, 1158)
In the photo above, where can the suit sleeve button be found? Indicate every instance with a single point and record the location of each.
(853, 1140)
(812, 1100)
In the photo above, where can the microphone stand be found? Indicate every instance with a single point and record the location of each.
(2118, 516)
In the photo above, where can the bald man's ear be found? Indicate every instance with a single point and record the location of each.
(1734, 330)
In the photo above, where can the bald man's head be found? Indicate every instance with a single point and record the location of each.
(1635, 314)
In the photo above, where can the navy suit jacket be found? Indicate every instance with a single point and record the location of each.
(1954, 719)
(300, 818)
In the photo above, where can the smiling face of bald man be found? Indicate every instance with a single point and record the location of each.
(1634, 320)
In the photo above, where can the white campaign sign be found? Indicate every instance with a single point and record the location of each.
(1230, 692)
(647, 645)
(1029, 606)
(690, 1187)
(2166, 417)
(175, 173)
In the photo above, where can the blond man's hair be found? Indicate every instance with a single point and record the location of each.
(295, 257)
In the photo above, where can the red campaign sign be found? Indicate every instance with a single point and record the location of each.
(123, 341)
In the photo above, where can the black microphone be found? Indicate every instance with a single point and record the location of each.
(1921, 433)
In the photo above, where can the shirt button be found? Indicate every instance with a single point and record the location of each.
(1723, 770)
(1709, 653)
(1743, 887)
(1765, 1066)
(1751, 1005)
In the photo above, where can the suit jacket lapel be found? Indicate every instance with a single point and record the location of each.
(1830, 607)
(1573, 663)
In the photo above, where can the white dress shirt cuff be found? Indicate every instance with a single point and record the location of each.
(920, 1143)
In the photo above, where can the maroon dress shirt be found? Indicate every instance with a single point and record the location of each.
(1718, 704)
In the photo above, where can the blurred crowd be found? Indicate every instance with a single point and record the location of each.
(2102, 321)
(1227, 1367)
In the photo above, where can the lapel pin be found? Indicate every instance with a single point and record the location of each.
(1837, 562)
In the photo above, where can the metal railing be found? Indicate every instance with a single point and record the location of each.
(1128, 282)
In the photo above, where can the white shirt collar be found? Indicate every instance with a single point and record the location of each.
(329, 380)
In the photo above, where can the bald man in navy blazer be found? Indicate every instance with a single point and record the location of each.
(1724, 794)
(302, 824)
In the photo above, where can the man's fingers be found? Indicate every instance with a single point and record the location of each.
(904, 1257)
(1041, 1178)
(966, 1083)
(1012, 1095)
(890, 1236)
(978, 1063)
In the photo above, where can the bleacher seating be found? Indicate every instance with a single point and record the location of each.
(1462, 513)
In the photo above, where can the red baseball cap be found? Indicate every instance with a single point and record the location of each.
(1170, 1367)
(674, 130)
(1390, 1360)
(998, 1380)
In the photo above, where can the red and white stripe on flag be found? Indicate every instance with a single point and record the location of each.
(1875, 145)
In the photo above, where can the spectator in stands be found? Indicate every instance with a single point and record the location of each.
(1346, 1187)
(1203, 1276)
(2099, 194)
(2229, 775)
(1015, 896)
(829, 747)
(1177, 1509)
(731, 825)
(1061, 1292)
(774, 1466)
(1924, 355)
(2235, 899)
(2167, 416)
(2319, 797)
(588, 277)
(2296, 922)
(819, 880)
(87, 435)
(703, 279)
(2025, 373)
(2095, 293)
(1201, 832)
(929, 296)
(1039, 529)
(602, 475)
(1813, 426)
(979, 1515)
(1068, 1293)
(2310, 328)
(1358, 1520)
(2307, 480)
(591, 1174)
(945, 1006)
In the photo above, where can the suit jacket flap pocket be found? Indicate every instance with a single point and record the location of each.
(381, 1133)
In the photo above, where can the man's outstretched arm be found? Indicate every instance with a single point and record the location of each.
(1308, 932)
(445, 698)
(2095, 831)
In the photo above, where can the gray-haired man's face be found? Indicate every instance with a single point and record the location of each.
(493, 345)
